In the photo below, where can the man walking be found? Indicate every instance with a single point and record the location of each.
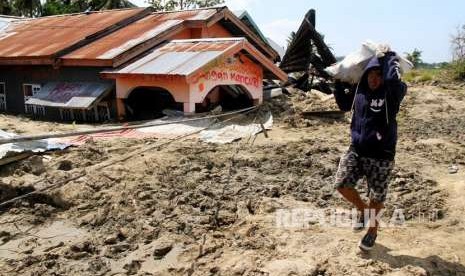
(375, 104)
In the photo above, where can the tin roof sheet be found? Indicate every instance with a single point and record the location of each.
(185, 57)
(181, 57)
(138, 32)
(46, 36)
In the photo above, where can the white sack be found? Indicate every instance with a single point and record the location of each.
(351, 68)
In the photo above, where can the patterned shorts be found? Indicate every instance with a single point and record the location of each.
(353, 167)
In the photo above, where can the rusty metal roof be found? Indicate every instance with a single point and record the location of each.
(187, 56)
(45, 36)
(138, 32)
(78, 95)
(108, 38)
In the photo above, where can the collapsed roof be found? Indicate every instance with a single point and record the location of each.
(307, 48)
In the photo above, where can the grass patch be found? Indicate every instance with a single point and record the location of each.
(452, 72)
(457, 70)
(424, 75)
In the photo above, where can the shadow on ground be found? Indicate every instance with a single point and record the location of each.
(433, 265)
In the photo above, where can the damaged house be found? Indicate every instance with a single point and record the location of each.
(132, 63)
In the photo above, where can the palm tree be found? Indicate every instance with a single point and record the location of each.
(29, 8)
(290, 38)
(5, 7)
(114, 4)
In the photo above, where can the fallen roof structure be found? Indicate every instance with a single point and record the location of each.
(308, 53)
(301, 52)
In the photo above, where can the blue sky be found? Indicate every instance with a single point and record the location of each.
(405, 25)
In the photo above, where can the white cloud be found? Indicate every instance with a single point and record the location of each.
(279, 30)
(240, 4)
(140, 3)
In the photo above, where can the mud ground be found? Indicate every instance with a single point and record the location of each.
(191, 208)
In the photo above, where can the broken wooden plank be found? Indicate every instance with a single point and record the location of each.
(14, 158)
(333, 114)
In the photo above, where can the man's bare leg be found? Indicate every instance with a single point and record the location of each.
(376, 206)
(351, 195)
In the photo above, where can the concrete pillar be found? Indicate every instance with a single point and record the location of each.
(120, 109)
(189, 107)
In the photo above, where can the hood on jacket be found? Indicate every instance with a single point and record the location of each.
(372, 64)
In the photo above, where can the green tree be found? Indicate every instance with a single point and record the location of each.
(28, 8)
(5, 7)
(458, 54)
(54, 7)
(415, 57)
(114, 4)
(458, 44)
(171, 5)
(290, 38)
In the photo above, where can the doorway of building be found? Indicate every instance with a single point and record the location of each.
(145, 103)
(229, 97)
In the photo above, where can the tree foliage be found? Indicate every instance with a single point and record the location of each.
(290, 38)
(458, 44)
(415, 57)
(5, 7)
(171, 5)
(37, 8)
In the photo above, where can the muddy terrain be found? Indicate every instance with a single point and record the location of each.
(192, 208)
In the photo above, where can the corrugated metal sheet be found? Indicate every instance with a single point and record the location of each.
(80, 95)
(154, 32)
(138, 32)
(5, 21)
(46, 36)
(181, 57)
(184, 57)
(14, 151)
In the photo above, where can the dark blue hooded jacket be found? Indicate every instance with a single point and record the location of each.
(374, 125)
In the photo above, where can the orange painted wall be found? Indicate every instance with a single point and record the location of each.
(238, 70)
(185, 34)
(177, 86)
(214, 31)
